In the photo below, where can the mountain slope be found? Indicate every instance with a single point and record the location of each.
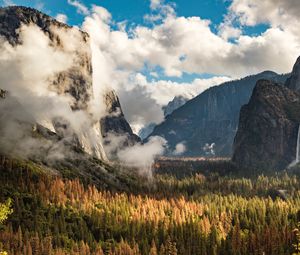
(73, 84)
(293, 82)
(268, 128)
(173, 105)
(211, 118)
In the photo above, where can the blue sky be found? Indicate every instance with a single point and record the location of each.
(131, 10)
(134, 10)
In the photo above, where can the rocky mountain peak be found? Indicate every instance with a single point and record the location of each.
(211, 117)
(12, 17)
(177, 102)
(115, 125)
(293, 82)
(112, 102)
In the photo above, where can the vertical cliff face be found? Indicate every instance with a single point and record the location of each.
(211, 118)
(77, 81)
(114, 126)
(268, 128)
(73, 83)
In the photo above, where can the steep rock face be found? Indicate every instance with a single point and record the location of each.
(268, 128)
(114, 123)
(211, 117)
(77, 81)
(174, 105)
(146, 131)
(293, 82)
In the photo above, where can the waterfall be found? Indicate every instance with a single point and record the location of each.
(297, 159)
(298, 143)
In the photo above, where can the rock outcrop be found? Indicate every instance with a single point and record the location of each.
(211, 117)
(174, 105)
(268, 128)
(293, 82)
(115, 126)
(115, 122)
(75, 82)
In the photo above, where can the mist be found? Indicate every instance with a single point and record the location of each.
(35, 75)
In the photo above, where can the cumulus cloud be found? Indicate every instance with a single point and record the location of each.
(8, 2)
(180, 45)
(62, 18)
(273, 12)
(118, 59)
(81, 8)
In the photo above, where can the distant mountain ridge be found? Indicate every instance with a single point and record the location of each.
(173, 105)
(211, 117)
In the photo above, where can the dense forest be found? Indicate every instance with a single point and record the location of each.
(44, 213)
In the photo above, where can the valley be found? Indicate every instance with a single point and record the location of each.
(199, 214)
(215, 170)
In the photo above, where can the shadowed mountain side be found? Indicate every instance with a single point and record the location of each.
(268, 128)
(211, 118)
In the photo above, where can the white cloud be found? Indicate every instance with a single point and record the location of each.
(62, 18)
(160, 10)
(33, 90)
(181, 45)
(8, 2)
(81, 8)
(274, 12)
(142, 155)
(179, 149)
(154, 4)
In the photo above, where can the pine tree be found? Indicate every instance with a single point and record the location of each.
(153, 250)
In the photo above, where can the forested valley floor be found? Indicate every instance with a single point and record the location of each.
(166, 215)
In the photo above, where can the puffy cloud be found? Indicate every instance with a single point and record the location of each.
(8, 2)
(81, 8)
(274, 12)
(179, 149)
(61, 17)
(154, 4)
(181, 45)
(142, 156)
(163, 91)
(160, 10)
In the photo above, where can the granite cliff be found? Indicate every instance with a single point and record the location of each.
(74, 83)
(211, 118)
(268, 128)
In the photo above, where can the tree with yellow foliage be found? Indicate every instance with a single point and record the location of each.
(5, 211)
